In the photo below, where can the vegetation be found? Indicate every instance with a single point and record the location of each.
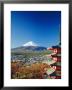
(37, 70)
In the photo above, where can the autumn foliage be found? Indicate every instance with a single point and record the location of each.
(21, 71)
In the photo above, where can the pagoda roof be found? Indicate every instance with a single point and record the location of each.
(57, 46)
(56, 55)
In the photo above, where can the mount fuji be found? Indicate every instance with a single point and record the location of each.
(28, 47)
(30, 43)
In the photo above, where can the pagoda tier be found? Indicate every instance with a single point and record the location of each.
(58, 68)
(56, 49)
(56, 57)
(58, 77)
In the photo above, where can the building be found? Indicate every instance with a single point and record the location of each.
(57, 57)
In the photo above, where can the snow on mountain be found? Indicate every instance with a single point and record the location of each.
(30, 43)
(28, 47)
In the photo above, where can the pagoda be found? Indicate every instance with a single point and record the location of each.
(57, 56)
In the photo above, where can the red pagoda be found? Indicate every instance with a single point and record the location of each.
(57, 56)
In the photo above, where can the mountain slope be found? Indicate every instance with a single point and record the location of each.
(28, 49)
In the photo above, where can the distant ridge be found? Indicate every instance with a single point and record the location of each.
(28, 47)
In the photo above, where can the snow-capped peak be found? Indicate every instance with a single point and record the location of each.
(30, 43)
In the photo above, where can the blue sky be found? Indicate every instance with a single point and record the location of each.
(41, 27)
